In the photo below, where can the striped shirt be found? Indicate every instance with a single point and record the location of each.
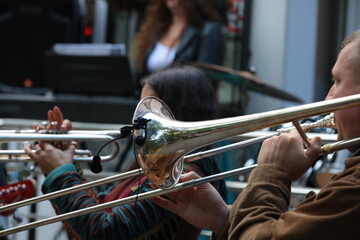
(140, 220)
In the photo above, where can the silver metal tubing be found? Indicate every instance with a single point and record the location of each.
(188, 158)
(168, 140)
(15, 155)
(126, 200)
(72, 135)
(237, 187)
(327, 121)
(65, 191)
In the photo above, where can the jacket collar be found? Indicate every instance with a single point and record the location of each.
(189, 34)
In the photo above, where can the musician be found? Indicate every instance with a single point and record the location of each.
(261, 210)
(179, 31)
(143, 219)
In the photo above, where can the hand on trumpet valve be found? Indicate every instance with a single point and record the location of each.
(38, 150)
(56, 124)
(50, 155)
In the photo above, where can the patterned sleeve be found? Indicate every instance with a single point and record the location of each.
(123, 222)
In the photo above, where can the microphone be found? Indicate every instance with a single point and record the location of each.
(95, 165)
(140, 123)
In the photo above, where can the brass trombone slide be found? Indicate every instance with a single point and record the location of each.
(167, 141)
(177, 137)
(325, 122)
(153, 193)
(326, 149)
(157, 192)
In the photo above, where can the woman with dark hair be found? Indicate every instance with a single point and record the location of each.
(191, 98)
(179, 31)
(174, 85)
(189, 93)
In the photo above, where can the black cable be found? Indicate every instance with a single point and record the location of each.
(95, 165)
(139, 223)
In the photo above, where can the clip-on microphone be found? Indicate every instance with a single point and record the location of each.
(139, 123)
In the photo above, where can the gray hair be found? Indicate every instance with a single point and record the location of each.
(355, 36)
(355, 55)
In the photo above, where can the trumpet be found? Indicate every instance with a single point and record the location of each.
(82, 155)
(162, 144)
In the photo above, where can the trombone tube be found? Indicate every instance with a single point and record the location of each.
(168, 140)
(328, 148)
(327, 121)
(340, 145)
(153, 193)
(229, 147)
(187, 158)
(65, 191)
(223, 130)
(237, 187)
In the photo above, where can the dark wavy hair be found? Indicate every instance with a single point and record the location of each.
(159, 18)
(186, 90)
(188, 93)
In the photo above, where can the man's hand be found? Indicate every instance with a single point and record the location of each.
(287, 153)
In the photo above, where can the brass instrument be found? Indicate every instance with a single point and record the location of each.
(327, 121)
(167, 141)
(84, 155)
(164, 143)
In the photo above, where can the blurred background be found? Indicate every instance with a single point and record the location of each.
(76, 54)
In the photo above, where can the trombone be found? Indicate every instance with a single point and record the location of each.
(154, 127)
(327, 121)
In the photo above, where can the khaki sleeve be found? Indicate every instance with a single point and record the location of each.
(261, 210)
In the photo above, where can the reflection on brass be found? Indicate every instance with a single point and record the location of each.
(159, 167)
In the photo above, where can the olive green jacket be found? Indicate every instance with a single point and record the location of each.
(261, 210)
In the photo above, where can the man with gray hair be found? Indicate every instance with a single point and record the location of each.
(261, 211)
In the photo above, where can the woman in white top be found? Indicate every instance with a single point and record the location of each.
(179, 31)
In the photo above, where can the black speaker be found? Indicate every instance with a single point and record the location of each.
(29, 28)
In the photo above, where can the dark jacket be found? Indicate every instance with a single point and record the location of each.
(203, 43)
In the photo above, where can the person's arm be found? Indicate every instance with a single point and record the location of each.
(284, 160)
(123, 222)
(261, 211)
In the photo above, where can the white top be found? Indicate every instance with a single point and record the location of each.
(161, 57)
